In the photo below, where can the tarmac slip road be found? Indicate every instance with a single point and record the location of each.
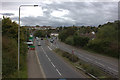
(53, 66)
(107, 64)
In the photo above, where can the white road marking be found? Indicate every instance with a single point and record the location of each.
(47, 56)
(80, 55)
(43, 50)
(49, 59)
(58, 72)
(40, 65)
(113, 69)
(101, 64)
(53, 64)
(88, 58)
(49, 48)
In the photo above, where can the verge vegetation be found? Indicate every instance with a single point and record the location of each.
(10, 50)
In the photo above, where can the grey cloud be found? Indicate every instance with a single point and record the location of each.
(82, 13)
(7, 14)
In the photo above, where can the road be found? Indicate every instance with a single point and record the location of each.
(53, 66)
(34, 69)
(108, 64)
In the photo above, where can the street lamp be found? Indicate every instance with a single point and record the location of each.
(19, 34)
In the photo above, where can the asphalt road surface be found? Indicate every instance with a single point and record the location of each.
(109, 65)
(53, 66)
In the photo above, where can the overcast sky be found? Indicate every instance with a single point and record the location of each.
(61, 13)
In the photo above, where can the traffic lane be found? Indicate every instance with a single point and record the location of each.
(98, 62)
(48, 69)
(92, 57)
(99, 57)
(95, 61)
(65, 70)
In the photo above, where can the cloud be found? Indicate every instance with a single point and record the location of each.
(7, 14)
(66, 13)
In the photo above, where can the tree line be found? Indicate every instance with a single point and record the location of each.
(10, 48)
(103, 41)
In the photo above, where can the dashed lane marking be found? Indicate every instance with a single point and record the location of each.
(58, 72)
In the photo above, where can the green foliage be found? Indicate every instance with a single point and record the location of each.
(80, 41)
(10, 47)
(71, 57)
(9, 56)
(9, 28)
(106, 41)
(66, 33)
(105, 38)
(40, 33)
(69, 40)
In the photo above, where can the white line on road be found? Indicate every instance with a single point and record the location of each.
(113, 69)
(58, 72)
(43, 50)
(88, 58)
(47, 56)
(100, 64)
(49, 48)
(49, 59)
(53, 64)
(40, 65)
(80, 55)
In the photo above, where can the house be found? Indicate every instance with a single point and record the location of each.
(54, 34)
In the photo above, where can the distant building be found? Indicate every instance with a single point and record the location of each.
(54, 34)
(90, 35)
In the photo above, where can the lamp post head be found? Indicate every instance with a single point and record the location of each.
(35, 5)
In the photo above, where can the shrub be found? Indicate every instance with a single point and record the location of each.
(69, 40)
(80, 41)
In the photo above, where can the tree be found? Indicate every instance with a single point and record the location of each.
(106, 41)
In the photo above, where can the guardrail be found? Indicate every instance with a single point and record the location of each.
(87, 73)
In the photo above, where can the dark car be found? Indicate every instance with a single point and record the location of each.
(51, 41)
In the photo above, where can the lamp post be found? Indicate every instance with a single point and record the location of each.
(19, 34)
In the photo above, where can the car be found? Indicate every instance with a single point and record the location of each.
(41, 38)
(39, 44)
(51, 41)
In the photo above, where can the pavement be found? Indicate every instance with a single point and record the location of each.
(108, 64)
(54, 66)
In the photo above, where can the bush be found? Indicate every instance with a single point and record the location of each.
(80, 41)
(69, 40)
(65, 54)
(106, 41)
(9, 56)
(73, 58)
(40, 33)
(10, 47)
